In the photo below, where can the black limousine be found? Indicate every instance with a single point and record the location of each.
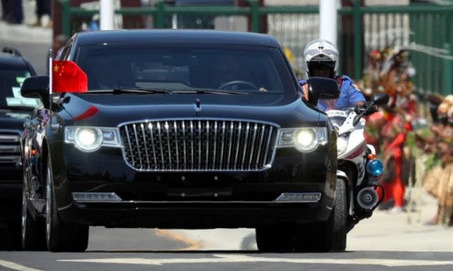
(180, 129)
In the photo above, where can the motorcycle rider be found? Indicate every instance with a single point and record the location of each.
(321, 59)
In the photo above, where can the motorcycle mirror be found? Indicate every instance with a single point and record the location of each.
(322, 88)
(376, 99)
(380, 98)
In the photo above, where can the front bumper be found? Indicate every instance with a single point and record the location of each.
(195, 214)
(192, 199)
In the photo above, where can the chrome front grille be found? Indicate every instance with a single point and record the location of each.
(9, 147)
(198, 145)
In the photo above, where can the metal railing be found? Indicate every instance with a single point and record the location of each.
(426, 30)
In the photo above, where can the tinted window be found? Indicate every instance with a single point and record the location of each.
(10, 81)
(188, 67)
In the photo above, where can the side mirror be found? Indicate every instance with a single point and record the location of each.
(380, 98)
(322, 88)
(36, 87)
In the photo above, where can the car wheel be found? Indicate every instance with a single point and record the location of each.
(33, 233)
(274, 239)
(330, 235)
(339, 225)
(61, 236)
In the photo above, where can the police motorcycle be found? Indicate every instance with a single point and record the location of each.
(357, 162)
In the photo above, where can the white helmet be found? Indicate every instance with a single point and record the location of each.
(323, 53)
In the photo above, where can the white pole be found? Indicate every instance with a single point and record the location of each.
(106, 11)
(328, 20)
(50, 73)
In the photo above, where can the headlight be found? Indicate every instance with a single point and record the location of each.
(303, 139)
(342, 144)
(90, 139)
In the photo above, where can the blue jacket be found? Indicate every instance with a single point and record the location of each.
(349, 95)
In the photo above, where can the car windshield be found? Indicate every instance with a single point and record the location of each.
(186, 68)
(10, 81)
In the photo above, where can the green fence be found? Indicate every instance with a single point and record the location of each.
(427, 30)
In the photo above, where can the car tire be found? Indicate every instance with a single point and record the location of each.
(274, 239)
(340, 225)
(330, 235)
(61, 236)
(33, 233)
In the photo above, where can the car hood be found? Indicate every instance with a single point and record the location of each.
(112, 110)
(13, 120)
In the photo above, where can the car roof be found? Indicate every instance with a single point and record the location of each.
(175, 36)
(14, 59)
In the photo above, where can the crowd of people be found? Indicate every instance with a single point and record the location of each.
(396, 134)
(437, 144)
(13, 12)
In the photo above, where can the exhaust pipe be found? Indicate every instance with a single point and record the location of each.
(367, 198)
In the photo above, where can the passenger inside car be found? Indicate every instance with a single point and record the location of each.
(107, 73)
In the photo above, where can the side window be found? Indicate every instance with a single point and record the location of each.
(66, 51)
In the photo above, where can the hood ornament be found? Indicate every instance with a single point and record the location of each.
(197, 106)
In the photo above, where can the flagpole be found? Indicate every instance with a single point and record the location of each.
(50, 72)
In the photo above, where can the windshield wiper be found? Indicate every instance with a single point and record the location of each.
(131, 90)
(210, 91)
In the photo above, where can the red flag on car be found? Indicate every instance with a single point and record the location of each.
(68, 77)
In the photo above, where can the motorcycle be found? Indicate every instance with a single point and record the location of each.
(358, 165)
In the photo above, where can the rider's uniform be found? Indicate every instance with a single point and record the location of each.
(350, 95)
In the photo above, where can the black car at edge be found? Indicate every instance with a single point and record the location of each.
(14, 110)
(181, 129)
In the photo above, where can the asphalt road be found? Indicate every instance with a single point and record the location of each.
(386, 241)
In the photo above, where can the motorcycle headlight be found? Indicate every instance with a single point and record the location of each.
(342, 144)
(303, 139)
(90, 139)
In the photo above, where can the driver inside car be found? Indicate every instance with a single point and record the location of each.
(321, 59)
(231, 74)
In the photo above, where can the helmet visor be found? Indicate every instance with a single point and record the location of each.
(321, 65)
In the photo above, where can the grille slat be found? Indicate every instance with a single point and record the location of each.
(175, 132)
(206, 158)
(230, 145)
(244, 151)
(9, 147)
(146, 147)
(139, 151)
(198, 145)
(167, 128)
(267, 149)
(162, 157)
(150, 126)
(252, 146)
(192, 144)
(214, 158)
(222, 146)
(237, 144)
(184, 144)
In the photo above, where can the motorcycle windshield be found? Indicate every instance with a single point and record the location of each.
(337, 117)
